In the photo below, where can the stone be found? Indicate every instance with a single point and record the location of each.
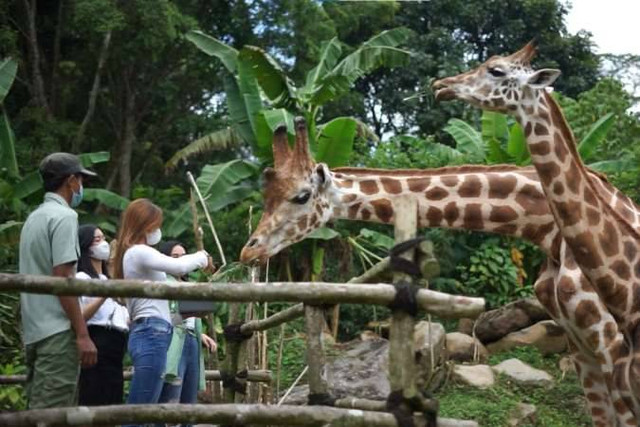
(546, 336)
(461, 348)
(495, 324)
(465, 326)
(480, 376)
(521, 373)
(428, 339)
(523, 414)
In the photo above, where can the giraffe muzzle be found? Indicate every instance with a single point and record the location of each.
(443, 91)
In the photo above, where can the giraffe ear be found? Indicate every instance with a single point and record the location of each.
(543, 78)
(322, 175)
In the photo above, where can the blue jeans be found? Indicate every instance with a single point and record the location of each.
(185, 388)
(148, 344)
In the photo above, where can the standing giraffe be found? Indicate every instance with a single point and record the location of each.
(602, 232)
(301, 196)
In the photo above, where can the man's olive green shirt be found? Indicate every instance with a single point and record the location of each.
(49, 238)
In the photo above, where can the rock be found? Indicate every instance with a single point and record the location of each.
(425, 338)
(480, 376)
(465, 326)
(546, 336)
(461, 348)
(523, 414)
(356, 369)
(495, 324)
(523, 374)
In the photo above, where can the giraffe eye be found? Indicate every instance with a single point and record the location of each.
(301, 198)
(496, 72)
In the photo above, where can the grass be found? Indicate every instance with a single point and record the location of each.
(562, 405)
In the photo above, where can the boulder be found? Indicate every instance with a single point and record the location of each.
(480, 376)
(465, 326)
(359, 368)
(523, 414)
(429, 339)
(462, 347)
(495, 324)
(546, 336)
(521, 373)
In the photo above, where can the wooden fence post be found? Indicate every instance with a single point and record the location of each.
(401, 354)
(314, 323)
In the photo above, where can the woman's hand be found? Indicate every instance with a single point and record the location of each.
(208, 342)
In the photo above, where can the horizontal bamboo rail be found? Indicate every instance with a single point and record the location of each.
(438, 303)
(274, 320)
(258, 376)
(225, 414)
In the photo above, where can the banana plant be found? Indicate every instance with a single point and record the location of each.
(499, 142)
(260, 95)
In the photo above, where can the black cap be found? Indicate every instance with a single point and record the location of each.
(60, 165)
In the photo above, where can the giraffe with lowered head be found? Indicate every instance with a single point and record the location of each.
(301, 196)
(602, 232)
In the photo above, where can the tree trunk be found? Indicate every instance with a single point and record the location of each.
(53, 89)
(93, 95)
(38, 92)
(126, 144)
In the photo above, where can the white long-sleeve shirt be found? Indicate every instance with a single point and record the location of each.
(110, 314)
(146, 263)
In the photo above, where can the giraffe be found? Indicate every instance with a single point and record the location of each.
(301, 196)
(602, 232)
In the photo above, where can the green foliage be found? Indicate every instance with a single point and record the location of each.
(12, 396)
(492, 274)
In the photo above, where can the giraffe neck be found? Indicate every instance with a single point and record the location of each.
(604, 242)
(505, 199)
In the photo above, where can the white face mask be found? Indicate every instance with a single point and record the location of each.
(154, 237)
(100, 251)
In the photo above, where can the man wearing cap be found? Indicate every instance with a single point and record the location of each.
(54, 331)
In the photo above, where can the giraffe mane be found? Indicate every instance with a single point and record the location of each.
(435, 171)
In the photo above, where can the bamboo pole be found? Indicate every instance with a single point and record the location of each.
(225, 414)
(437, 303)
(230, 363)
(401, 355)
(260, 376)
(279, 361)
(274, 320)
(314, 322)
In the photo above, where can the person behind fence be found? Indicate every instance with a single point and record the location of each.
(184, 374)
(107, 322)
(150, 332)
(54, 332)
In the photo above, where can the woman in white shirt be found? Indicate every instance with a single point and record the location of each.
(135, 258)
(107, 323)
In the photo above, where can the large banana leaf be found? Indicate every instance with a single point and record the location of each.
(494, 126)
(468, 140)
(335, 141)
(379, 50)
(517, 145)
(596, 134)
(272, 79)
(238, 110)
(214, 47)
(89, 159)
(106, 197)
(8, 159)
(31, 183)
(223, 139)
(329, 54)
(8, 69)
(614, 166)
(219, 185)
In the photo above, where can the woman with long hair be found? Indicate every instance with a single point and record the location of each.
(135, 258)
(107, 323)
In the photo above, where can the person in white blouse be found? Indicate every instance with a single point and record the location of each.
(151, 329)
(107, 323)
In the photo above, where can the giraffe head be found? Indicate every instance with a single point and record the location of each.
(295, 197)
(502, 83)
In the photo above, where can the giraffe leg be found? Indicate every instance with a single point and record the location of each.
(599, 343)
